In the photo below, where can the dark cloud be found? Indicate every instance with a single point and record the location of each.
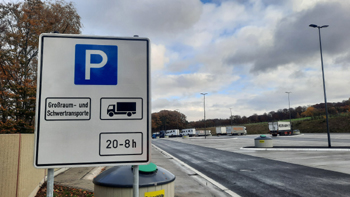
(296, 42)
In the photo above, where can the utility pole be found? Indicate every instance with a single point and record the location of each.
(290, 115)
(231, 115)
(324, 84)
(205, 124)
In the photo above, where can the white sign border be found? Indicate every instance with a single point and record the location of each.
(38, 104)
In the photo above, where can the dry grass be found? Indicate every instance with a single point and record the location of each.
(62, 191)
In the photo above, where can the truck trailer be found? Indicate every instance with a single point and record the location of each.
(189, 132)
(236, 130)
(280, 128)
(155, 135)
(221, 131)
(172, 133)
(203, 132)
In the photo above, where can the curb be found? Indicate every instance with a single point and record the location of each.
(60, 171)
(298, 149)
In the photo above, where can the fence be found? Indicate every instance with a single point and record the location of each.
(18, 177)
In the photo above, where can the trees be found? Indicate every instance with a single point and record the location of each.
(310, 112)
(166, 119)
(21, 25)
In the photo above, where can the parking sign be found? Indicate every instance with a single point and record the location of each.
(96, 64)
(93, 101)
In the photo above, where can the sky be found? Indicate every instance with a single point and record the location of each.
(245, 54)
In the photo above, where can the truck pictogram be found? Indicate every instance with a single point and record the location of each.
(128, 108)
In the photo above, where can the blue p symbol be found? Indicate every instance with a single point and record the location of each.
(96, 65)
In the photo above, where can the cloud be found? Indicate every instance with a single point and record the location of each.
(186, 85)
(158, 58)
(244, 54)
(294, 41)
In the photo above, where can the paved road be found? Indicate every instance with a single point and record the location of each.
(298, 138)
(254, 176)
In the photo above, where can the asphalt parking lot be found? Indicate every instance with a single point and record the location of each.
(334, 159)
(325, 170)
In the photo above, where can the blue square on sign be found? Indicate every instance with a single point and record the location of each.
(96, 64)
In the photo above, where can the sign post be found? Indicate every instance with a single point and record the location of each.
(50, 180)
(136, 180)
(93, 101)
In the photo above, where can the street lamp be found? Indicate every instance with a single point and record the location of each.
(205, 124)
(324, 86)
(231, 115)
(177, 122)
(290, 116)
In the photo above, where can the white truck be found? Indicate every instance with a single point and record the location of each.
(189, 132)
(236, 130)
(172, 133)
(281, 128)
(221, 131)
(203, 132)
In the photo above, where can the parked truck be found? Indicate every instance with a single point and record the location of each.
(203, 132)
(161, 134)
(189, 132)
(221, 131)
(172, 133)
(236, 130)
(155, 135)
(280, 128)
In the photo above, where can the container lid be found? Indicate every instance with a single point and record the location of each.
(263, 137)
(151, 167)
(123, 177)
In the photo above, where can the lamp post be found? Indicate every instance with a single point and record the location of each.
(177, 122)
(205, 124)
(324, 86)
(231, 115)
(290, 115)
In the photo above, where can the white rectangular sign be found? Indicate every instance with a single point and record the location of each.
(93, 101)
(67, 109)
(121, 143)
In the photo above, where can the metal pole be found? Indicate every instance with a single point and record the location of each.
(290, 115)
(205, 123)
(324, 89)
(50, 180)
(177, 121)
(136, 181)
(231, 116)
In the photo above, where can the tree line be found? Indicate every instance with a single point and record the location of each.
(166, 119)
(20, 26)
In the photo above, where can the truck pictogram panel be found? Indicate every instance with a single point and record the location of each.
(121, 108)
(128, 108)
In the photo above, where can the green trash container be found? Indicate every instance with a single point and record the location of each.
(263, 142)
